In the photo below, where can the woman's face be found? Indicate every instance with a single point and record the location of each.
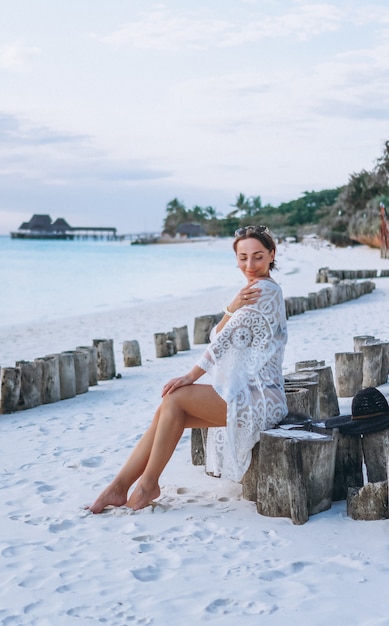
(253, 258)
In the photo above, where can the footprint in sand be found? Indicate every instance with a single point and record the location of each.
(93, 461)
(61, 526)
(17, 550)
(43, 487)
(227, 606)
(280, 572)
(147, 574)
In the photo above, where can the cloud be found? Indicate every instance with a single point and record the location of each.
(15, 131)
(17, 55)
(57, 158)
(353, 110)
(161, 30)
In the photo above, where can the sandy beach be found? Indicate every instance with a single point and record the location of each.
(202, 554)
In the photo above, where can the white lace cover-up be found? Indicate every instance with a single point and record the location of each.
(244, 361)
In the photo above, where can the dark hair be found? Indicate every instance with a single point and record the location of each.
(262, 233)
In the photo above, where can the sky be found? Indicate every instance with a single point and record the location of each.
(109, 110)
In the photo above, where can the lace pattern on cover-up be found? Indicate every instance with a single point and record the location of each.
(244, 361)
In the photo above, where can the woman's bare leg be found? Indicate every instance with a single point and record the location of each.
(192, 406)
(116, 493)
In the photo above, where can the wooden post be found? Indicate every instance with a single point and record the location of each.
(203, 326)
(51, 390)
(163, 346)
(306, 380)
(131, 353)
(375, 448)
(348, 373)
(385, 362)
(298, 399)
(306, 365)
(348, 461)
(105, 359)
(31, 384)
(10, 389)
(67, 375)
(93, 368)
(182, 338)
(295, 474)
(197, 447)
(328, 400)
(369, 502)
(372, 364)
(383, 377)
(171, 336)
(250, 479)
(81, 367)
(361, 340)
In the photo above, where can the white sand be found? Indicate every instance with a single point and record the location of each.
(203, 555)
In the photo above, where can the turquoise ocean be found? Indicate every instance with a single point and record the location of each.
(44, 280)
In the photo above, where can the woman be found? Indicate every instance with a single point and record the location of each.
(244, 361)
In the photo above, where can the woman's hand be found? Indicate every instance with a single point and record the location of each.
(248, 295)
(182, 381)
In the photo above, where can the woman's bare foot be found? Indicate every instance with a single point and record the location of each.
(113, 495)
(142, 496)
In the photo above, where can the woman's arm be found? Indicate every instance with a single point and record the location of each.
(248, 295)
(253, 326)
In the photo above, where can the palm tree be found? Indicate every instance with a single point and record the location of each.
(176, 215)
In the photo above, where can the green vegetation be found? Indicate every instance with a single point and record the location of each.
(343, 215)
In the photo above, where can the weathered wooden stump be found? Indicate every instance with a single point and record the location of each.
(311, 298)
(322, 275)
(198, 445)
(372, 364)
(293, 421)
(328, 400)
(131, 353)
(203, 326)
(310, 402)
(81, 367)
(361, 340)
(51, 389)
(250, 479)
(369, 502)
(67, 375)
(295, 474)
(348, 461)
(105, 359)
(182, 338)
(93, 367)
(375, 448)
(348, 373)
(171, 336)
(385, 362)
(163, 346)
(383, 376)
(309, 381)
(306, 365)
(10, 389)
(30, 385)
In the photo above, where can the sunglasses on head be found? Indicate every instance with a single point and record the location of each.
(246, 230)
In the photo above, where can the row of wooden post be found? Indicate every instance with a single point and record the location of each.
(295, 305)
(56, 377)
(326, 275)
(328, 296)
(171, 342)
(366, 366)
